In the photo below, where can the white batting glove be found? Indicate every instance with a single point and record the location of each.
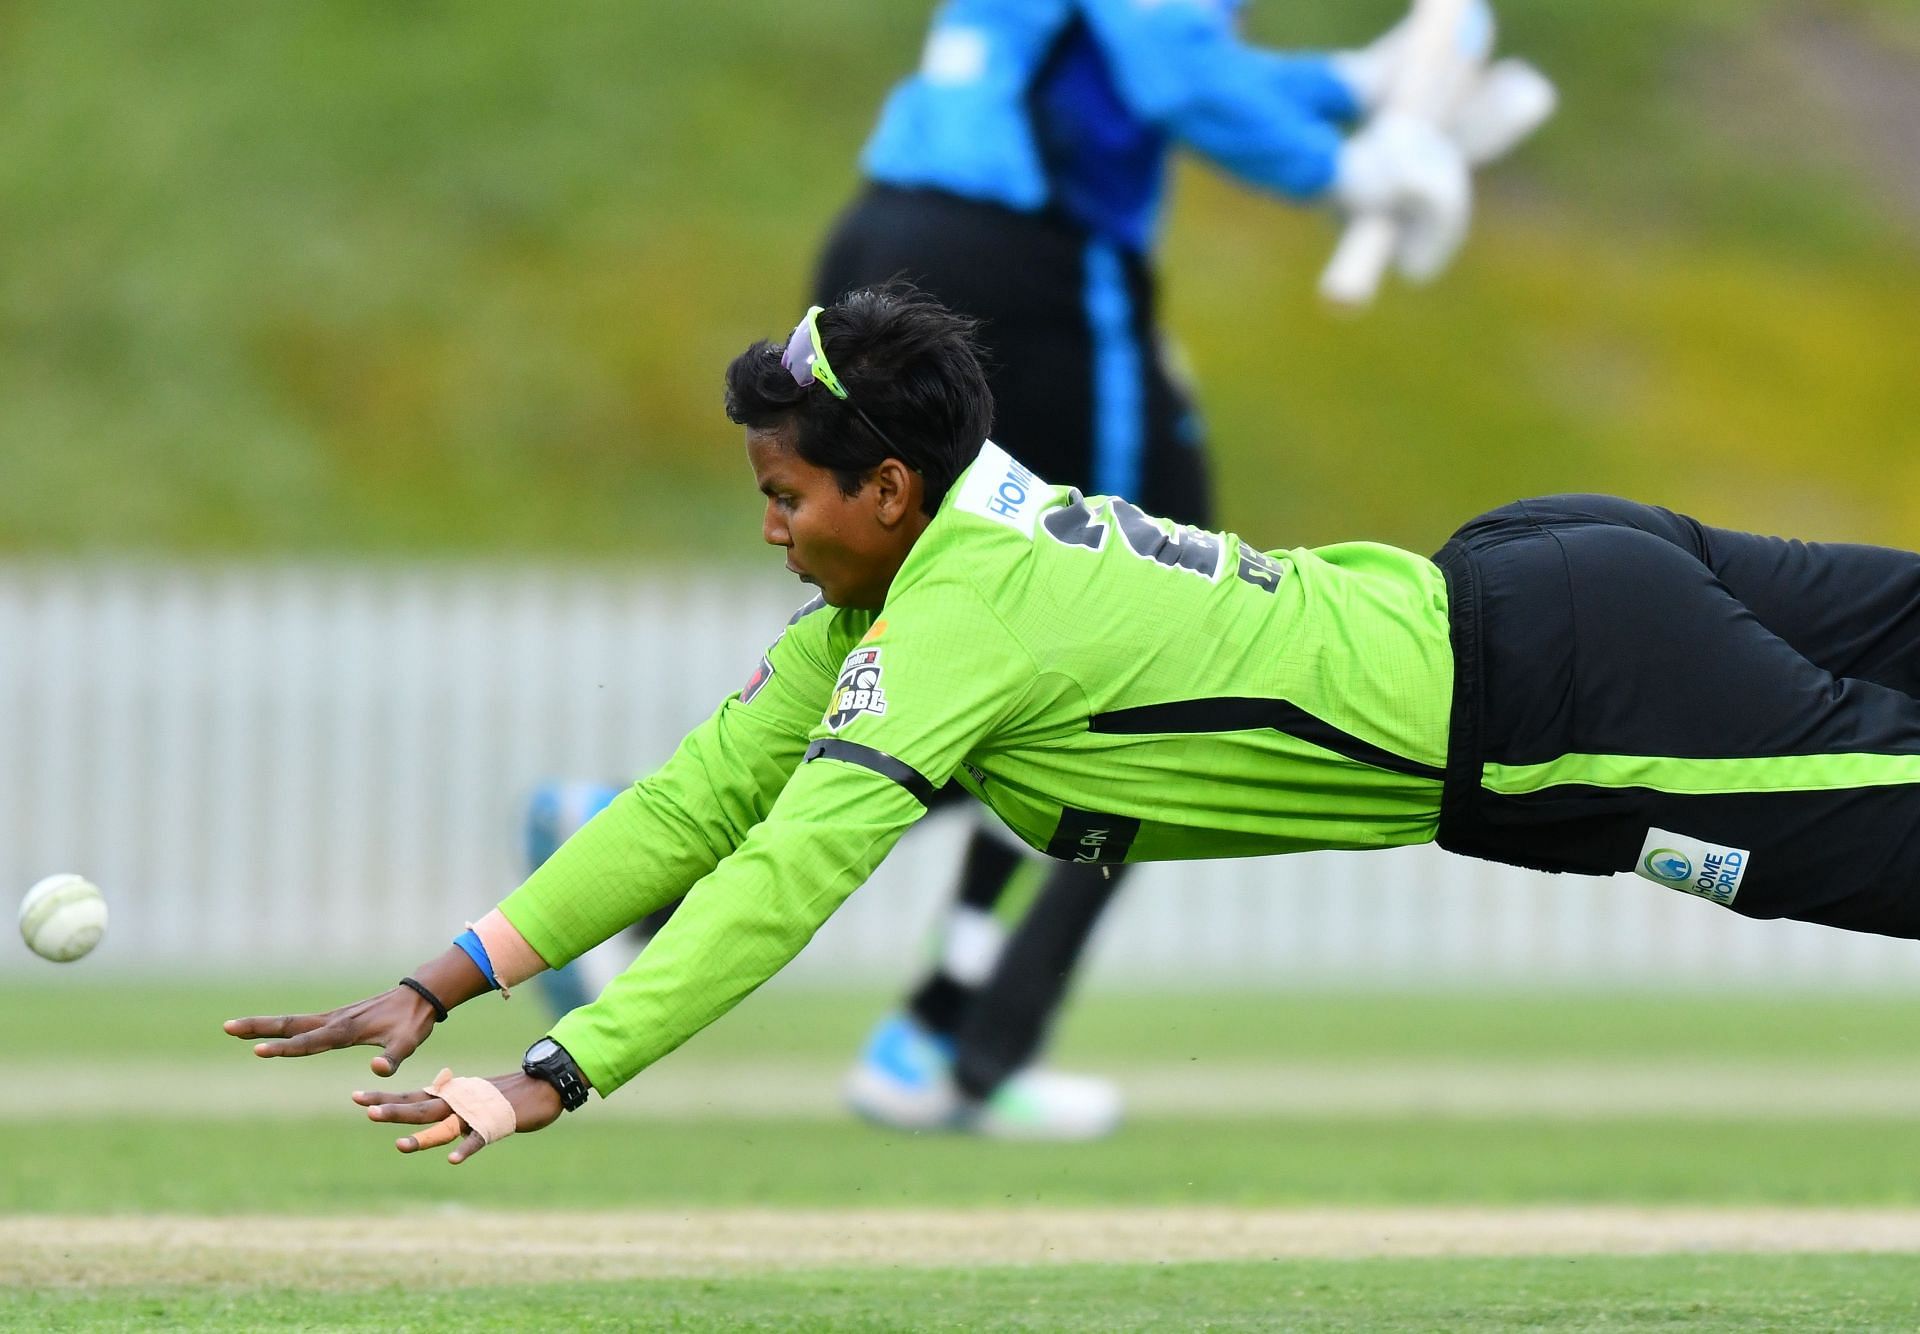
(1413, 173)
(1502, 107)
(1371, 71)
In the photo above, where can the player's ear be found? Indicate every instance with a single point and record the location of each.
(896, 491)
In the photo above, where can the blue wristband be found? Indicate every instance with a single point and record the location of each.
(469, 940)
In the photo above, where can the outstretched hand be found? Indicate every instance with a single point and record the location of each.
(535, 1104)
(396, 1021)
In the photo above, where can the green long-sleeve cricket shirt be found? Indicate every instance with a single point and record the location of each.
(1115, 687)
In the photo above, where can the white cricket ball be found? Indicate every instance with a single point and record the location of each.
(63, 917)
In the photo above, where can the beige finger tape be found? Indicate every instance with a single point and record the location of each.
(483, 1107)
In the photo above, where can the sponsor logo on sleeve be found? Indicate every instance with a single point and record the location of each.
(1692, 865)
(757, 682)
(763, 673)
(858, 690)
(1001, 488)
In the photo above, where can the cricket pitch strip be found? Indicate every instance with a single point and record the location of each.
(470, 1247)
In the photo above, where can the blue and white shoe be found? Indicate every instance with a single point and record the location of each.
(554, 813)
(904, 1077)
(1049, 1105)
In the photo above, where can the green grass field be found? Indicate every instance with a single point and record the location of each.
(1666, 1293)
(1306, 1161)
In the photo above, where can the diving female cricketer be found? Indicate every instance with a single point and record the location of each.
(1577, 684)
(1020, 176)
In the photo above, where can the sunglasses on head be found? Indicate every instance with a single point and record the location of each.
(806, 361)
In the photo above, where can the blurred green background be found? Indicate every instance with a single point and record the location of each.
(456, 279)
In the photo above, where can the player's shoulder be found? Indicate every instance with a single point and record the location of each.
(981, 537)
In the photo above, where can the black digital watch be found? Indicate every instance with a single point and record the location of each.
(548, 1060)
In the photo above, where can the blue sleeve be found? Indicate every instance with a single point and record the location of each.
(1265, 117)
(1308, 78)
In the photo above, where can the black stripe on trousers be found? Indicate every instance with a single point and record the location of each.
(1234, 714)
(852, 752)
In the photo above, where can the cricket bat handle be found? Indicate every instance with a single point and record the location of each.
(1353, 275)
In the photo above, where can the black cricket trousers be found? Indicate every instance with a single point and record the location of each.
(1732, 715)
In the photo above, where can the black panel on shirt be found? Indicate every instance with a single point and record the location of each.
(1231, 714)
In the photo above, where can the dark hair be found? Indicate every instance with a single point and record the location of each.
(911, 365)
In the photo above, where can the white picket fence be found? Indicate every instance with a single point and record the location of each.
(313, 768)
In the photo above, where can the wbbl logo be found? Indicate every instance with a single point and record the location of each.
(858, 689)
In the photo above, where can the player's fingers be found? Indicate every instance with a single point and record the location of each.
(306, 1043)
(410, 1113)
(441, 1132)
(273, 1026)
(373, 1097)
(466, 1148)
(392, 1054)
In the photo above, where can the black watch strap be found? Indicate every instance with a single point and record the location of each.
(548, 1060)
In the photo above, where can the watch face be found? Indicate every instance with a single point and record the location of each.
(542, 1049)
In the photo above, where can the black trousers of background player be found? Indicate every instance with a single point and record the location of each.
(1022, 276)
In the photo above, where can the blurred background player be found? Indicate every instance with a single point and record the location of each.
(1018, 176)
